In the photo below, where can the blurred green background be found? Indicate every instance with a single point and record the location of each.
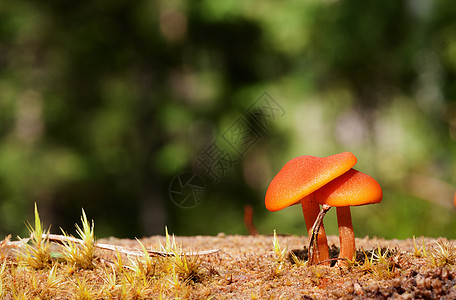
(103, 103)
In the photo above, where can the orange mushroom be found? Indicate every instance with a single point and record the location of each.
(350, 189)
(296, 183)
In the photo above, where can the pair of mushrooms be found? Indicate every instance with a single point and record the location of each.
(314, 181)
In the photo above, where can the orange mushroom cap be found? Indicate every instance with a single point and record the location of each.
(350, 189)
(304, 175)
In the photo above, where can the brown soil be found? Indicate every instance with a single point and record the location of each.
(246, 267)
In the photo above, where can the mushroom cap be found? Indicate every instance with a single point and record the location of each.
(304, 175)
(350, 189)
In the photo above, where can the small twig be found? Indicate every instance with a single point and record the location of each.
(61, 239)
(315, 229)
(135, 252)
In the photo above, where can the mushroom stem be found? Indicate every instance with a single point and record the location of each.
(311, 209)
(346, 234)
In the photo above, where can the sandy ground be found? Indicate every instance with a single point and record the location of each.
(246, 267)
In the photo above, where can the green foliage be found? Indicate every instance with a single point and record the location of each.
(143, 266)
(36, 254)
(184, 267)
(102, 104)
(443, 254)
(81, 255)
(419, 252)
(281, 254)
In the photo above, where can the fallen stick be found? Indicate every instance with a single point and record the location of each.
(135, 252)
(315, 229)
